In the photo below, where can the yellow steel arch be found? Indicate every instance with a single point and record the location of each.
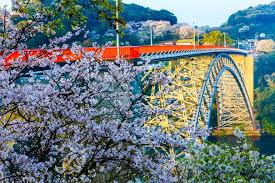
(188, 76)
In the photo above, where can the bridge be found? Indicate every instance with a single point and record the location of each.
(213, 84)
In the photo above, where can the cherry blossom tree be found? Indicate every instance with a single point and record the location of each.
(265, 46)
(162, 30)
(79, 122)
(185, 32)
(76, 122)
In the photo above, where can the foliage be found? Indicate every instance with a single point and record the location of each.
(265, 91)
(265, 107)
(268, 127)
(216, 38)
(222, 163)
(264, 65)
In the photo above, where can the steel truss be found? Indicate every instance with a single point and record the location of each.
(196, 83)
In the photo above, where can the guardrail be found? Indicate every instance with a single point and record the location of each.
(128, 53)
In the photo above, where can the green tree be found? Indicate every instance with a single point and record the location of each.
(216, 38)
(265, 107)
(47, 19)
(268, 127)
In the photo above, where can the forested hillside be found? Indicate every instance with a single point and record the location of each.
(265, 91)
(137, 13)
(251, 22)
(101, 25)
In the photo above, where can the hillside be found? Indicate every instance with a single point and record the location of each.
(265, 91)
(251, 22)
(137, 13)
(101, 31)
(131, 13)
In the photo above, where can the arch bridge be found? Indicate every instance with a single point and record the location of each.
(213, 85)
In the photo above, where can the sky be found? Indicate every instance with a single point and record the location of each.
(202, 12)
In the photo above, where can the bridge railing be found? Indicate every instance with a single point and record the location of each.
(127, 52)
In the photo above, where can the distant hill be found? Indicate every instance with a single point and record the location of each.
(251, 22)
(137, 13)
(102, 32)
(131, 13)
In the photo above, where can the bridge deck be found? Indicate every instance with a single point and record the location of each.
(127, 52)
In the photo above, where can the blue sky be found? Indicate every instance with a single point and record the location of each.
(203, 12)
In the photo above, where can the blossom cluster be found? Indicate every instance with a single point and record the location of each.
(223, 163)
(160, 29)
